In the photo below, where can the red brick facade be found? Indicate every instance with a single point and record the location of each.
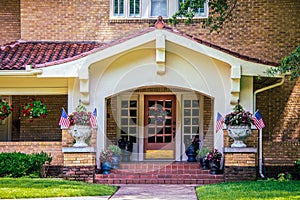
(10, 21)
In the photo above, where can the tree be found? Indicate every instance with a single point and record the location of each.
(219, 13)
(289, 64)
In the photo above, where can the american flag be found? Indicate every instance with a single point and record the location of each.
(258, 121)
(93, 119)
(64, 121)
(220, 121)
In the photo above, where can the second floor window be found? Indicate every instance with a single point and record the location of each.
(159, 8)
(118, 7)
(147, 9)
(134, 8)
(198, 13)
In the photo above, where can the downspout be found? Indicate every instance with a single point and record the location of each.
(260, 162)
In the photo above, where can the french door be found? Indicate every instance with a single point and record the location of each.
(160, 127)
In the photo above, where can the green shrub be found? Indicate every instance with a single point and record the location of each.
(297, 166)
(20, 164)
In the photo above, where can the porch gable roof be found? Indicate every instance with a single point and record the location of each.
(40, 54)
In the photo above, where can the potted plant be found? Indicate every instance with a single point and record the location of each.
(80, 125)
(116, 153)
(238, 125)
(202, 155)
(35, 109)
(5, 109)
(106, 159)
(192, 149)
(214, 157)
(126, 147)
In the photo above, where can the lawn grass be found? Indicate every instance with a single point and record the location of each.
(251, 190)
(11, 188)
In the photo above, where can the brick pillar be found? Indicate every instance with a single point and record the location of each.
(240, 164)
(79, 164)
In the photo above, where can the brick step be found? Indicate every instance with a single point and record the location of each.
(157, 181)
(156, 166)
(159, 173)
(158, 176)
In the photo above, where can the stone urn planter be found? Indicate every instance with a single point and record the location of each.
(81, 133)
(238, 134)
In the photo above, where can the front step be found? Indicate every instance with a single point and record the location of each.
(159, 173)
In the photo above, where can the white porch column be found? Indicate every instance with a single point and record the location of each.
(235, 84)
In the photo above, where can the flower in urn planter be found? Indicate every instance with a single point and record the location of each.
(238, 117)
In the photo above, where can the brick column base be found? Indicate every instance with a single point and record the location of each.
(79, 164)
(240, 164)
(79, 173)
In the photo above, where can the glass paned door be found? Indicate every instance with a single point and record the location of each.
(191, 120)
(160, 126)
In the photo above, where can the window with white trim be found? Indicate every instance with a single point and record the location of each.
(149, 9)
(134, 8)
(201, 12)
(159, 8)
(118, 6)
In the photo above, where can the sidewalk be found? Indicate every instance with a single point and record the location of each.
(155, 192)
(144, 192)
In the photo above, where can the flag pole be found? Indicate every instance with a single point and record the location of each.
(260, 154)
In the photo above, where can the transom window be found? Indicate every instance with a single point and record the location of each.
(144, 9)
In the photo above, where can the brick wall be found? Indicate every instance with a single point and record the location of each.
(208, 128)
(262, 29)
(79, 166)
(10, 21)
(112, 127)
(41, 129)
(239, 165)
(280, 109)
(52, 148)
(79, 159)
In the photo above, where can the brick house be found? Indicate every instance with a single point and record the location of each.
(111, 57)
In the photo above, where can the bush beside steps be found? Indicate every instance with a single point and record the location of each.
(19, 164)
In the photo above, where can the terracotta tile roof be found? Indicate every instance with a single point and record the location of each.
(16, 56)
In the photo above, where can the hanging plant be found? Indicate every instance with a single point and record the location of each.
(35, 109)
(5, 109)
